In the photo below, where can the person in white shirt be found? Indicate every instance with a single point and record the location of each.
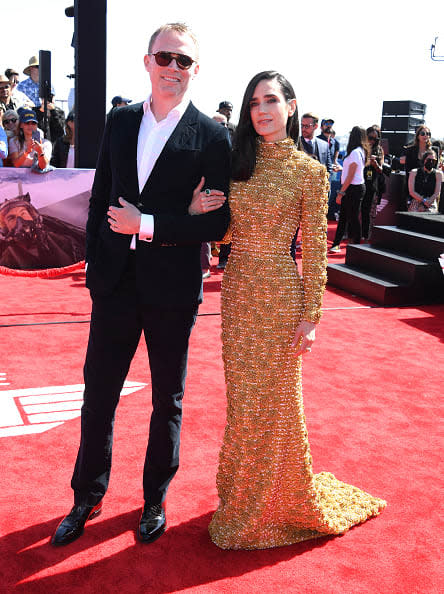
(143, 270)
(352, 188)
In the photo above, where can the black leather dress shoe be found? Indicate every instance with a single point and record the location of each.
(71, 527)
(152, 522)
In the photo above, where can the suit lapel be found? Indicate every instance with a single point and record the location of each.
(133, 131)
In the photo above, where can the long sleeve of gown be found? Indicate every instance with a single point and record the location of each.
(314, 240)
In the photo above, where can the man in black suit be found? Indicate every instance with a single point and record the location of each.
(144, 273)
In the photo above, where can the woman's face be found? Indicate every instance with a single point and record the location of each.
(269, 111)
(10, 124)
(430, 162)
(28, 128)
(372, 137)
(424, 135)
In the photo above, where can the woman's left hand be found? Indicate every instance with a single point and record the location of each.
(304, 338)
(206, 201)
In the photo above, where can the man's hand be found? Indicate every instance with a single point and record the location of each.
(124, 220)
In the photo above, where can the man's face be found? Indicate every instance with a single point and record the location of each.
(14, 213)
(226, 111)
(170, 81)
(5, 89)
(308, 128)
(34, 73)
(327, 126)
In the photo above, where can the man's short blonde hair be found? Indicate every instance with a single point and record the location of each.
(312, 116)
(179, 28)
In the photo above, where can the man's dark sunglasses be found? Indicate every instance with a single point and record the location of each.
(11, 121)
(164, 58)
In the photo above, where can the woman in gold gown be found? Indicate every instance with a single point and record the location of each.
(268, 493)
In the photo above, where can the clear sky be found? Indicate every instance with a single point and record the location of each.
(343, 58)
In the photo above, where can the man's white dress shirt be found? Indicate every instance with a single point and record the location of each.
(153, 137)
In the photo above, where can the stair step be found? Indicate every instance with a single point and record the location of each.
(429, 223)
(412, 243)
(389, 263)
(372, 286)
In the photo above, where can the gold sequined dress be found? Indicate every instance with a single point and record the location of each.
(268, 494)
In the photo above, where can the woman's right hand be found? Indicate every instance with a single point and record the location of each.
(204, 202)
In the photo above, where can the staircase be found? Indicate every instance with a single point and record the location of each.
(400, 266)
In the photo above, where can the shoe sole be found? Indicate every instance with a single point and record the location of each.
(96, 511)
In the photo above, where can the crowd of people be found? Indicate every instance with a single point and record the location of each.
(34, 131)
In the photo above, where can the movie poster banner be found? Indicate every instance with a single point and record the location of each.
(42, 219)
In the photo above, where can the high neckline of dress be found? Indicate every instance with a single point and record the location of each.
(276, 146)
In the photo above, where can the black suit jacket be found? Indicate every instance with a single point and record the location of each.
(168, 268)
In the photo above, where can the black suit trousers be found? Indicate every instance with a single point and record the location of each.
(117, 322)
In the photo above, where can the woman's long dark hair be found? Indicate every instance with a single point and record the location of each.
(358, 137)
(244, 144)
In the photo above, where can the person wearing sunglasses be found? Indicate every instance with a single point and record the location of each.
(412, 157)
(144, 271)
(29, 148)
(372, 173)
(425, 184)
(6, 100)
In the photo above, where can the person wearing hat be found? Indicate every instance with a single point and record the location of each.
(119, 101)
(226, 109)
(25, 150)
(19, 98)
(63, 151)
(30, 86)
(6, 101)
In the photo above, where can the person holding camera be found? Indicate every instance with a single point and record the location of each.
(372, 174)
(29, 149)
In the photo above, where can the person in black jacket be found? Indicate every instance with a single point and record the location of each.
(55, 122)
(144, 272)
(63, 151)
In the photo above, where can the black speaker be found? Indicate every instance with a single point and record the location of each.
(397, 141)
(401, 123)
(44, 74)
(405, 108)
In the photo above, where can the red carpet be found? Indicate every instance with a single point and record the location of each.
(372, 389)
